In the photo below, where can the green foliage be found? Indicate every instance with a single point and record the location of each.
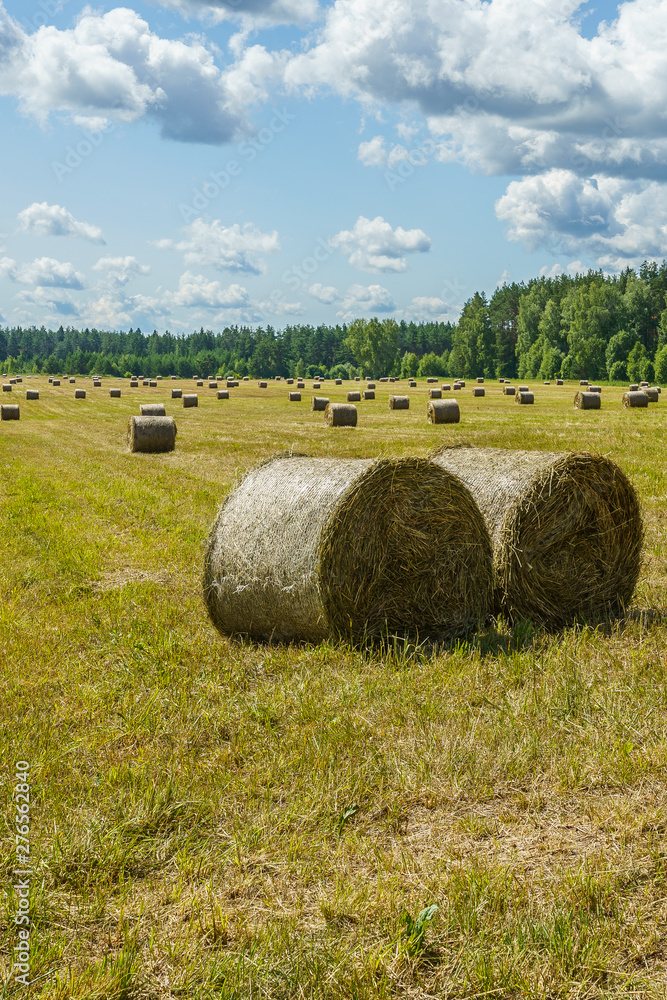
(661, 364)
(374, 343)
(409, 365)
(412, 935)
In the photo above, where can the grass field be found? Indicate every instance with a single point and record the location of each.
(212, 818)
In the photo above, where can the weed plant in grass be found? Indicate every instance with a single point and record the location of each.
(234, 820)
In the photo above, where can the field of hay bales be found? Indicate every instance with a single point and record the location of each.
(214, 818)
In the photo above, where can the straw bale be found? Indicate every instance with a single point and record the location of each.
(587, 401)
(566, 530)
(133, 383)
(32, 394)
(213, 385)
(319, 403)
(462, 383)
(316, 385)
(246, 378)
(412, 384)
(56, 381)
(559, 381)
(290, 381)
(524, 397)
(652, 394)
(341, 415)
(72, 381)
(146, 381)
(223, 393)
(12, 381)
(151, 434)
(153, 383)
(546, 383)
(19, 378)
(635, 398)
(523, 388)
(501, 380)
(339, 381)
(79, 393)
(311, 548)
(114, 393)
(357, 378)
(10, 411)
(399, 402)
(508, 390)
(173, 378)
(50, 379)
(595, 388)
(353, 397)
(386, 380)
(478, 390)
(643, 385)
(443, 411)
(262, 385)
(153, 410)
(370, 385)
(431, 380)
(176, 393)
(456, 387)
(6, 387)
(369, 394)
(583, 381)
(435, 393)
(190, 399)
(446, 387)
(656, 388)
(295, 397)
(480, 381)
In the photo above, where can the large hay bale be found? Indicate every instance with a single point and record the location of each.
(478, 390)
(295, 397)
(635, 398)
(289, 381)
(509, 390)
(443, 411)
(435, 393)
(566, 529)
(305, 548)
(190, 399)
(587, 401)
(634, 387)
(261, 385)
(10, 411)
(223, 393)
(353, 397)
(153, 410)
(79, 393)
(656, 388)
(176, 393)
(369, 394)
(32, 394)
(341, 415)
(114, 393)
(643, 385)
(319, 403)
(524, 397)
(399, 402)
(151, 434)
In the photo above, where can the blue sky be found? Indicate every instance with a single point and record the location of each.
(190, 163)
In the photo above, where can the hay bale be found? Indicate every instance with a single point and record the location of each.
(289, 381)
(546, 383)
(200, 383)
(246, 378)
(584, 381)
(478, 390)
(114, 393)
(72, 381)
(151, 434)
(316, 385)
(223, 393)
(341, 415)
(462, 383)
(652, 394)
(295, 397)
(6, 387)
(32, 394)
(412, 384)
(524, 397)
(319, 403)
(79, 393)
(457, 387)
(12, 381)
(357, 378)
(643, 385)
(656, 388)
(353, 397)
(338, 381)
(153, 383)
(190, 399)
(435, 393)
(446, 387)
(443, 411)
(134, 384)
(368, 394)
(480, 381)
(56, 381)
(153, 410)
(370, 385)
(213, 385)
(399, 402)
(634, 387)
(523, 388)
(307, 548)
(10, 411)
(19, 379)
(587, 401)
(508, 390)
(559, 381)
(50, 379)
(501, 380)
(595, 388)
(173, 378)
(146, 382)
(386, 380)
(635, 398)
(566, 530)
(261, 385)
(176, 393)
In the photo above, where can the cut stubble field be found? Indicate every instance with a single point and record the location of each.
(219, 818)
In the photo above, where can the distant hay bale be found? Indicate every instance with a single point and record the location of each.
(79, 393)
(10, 411)
(146, 382)
(190, 399)
(223, 393)
(306, 549)
(643, 385)
(462, 383)
(200, 383)
(478, 390)
(56, 381)
(6, 387)
(635, 398)
(429, 381)
(50, 379)
(213, 385)
(399, 402)
(546, 383)
(72, 381)
(559, 381)
(151, 434)
(656, 388)
(435, 393)
(153, 383)
(653, 395)
(290, 381)
(316, 385)
(32, 394)
(12, 381)
(19, 379)
(446, 387)
(301, 385)
(566, 530)
(443, 411)
(508, 390)
(357, 378)
(457, 387)
(480, 381)
(261, 385)
(583, 381)
(370, 385)
(412, 384)
(134, 384)
(246, 378)
(595, 388)
(524, 398)
(173, 378)
(319, 403)
(501, 380)
(587, 401)
(295, 397)
(386, 380)
(114, 393)
(341, 415)
(368, 394)
(339, 381)
(176, 393)
(153, 410)
(523, 388)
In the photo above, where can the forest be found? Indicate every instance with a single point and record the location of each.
(593, 325)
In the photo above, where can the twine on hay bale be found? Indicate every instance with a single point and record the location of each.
(399, 402)
(10, 411)
(587, 401)
(153, 410)
(635, 398)
(176, 393)
(223, 393)
(151, 434)
(307, 548)
(114, 393)
(190, 399)
(79, 393)
(319, 403)
(478, 390)
(566, 530)
(295, 397)
(509, 390)
(435, 393)
(340, 415)
(353, 397)
(32, 394)
(443, 411)
(369, 394)
(524, 397)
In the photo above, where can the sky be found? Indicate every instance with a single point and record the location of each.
(188, 163)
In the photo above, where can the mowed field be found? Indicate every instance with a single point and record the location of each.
(215, 818)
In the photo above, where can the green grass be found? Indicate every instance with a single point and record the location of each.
(231, 820)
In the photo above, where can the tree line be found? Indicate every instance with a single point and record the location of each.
(593, 325)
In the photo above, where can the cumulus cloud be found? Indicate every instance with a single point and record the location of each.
(251, 12)
(42, 219)
(234, 248)
(428, 306)
(44, 272)
(323, 293)
(49, 304)
(373, 153)
(372, 245)
(195, 290)
(365, 300)
(119, 270)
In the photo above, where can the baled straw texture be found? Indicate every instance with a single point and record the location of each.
(443, 411)
(306, 548)
(446, 386)
(523, 388)
(635, 398)
(176, 393)
(353, 397)
(295, 397)
(319, 403)
(399, 402)
(190, 399)
(587, 401)
(223, 393)
(594, 388)
(151, 434)
(262, 385)
(6, 387)
(32, 394)
(56, 381)
(480, 381)
(10, 411)
(435, 393)
(369, 394)
(153, 410)
(634, 387)
(652, 394)
(559, 381)
(370, 385)
(509, 390)
(341, 415)
(524, 397)
(79, 393)
(114, 393)
(479, 390)
(566, 530)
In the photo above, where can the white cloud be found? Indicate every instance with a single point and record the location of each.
(42, 219)
(49, 304)
(119, 270)
(234, 248)
(195, 290)
(372, 245)
(428, 307)
(7, 267)
(251, 12)
(366, 300)
(49, 273)
(373, 152)
(323, 293)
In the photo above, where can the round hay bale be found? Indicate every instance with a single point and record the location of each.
(146, 382)
(559, 381)
(566, 530)
(635, 398)
(594, 388)
(386, 380)
(412, 384)
(523, 388)
(261, 385)
(79, 393)
(652, 394)
(456, 387)
(478, 390)
(190, 399)
(50, 379)
(546, 383)
(134, 384)
(289, 381)
(634, 387)
(295, 397)
(368, 394)
(508, 390)
(584, 381)
(246, 378)
(480, 381)
(501, 380)
(20, 379)
(524, 397)
(12, 381)
(200, 383)
(72, 381)
(56, 381)
(319, 403)
(153, 410)
(357, 378)
(6, 387)
(656, 388)
(10, 411)
(32, 394)
(399, 402)
(153, 383)
(462, 383)
(307, 548)
(370, 385)
(316, 385)
(176, 393)
(435, 393)
(353, 397)
(338, 381)
(223, 393)
(151, 434)
(587, 401)
(443, 411)
(173, 378)
(213, 385)
(643, 385)
(114, 393)
(340, 415)
(446, 387)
